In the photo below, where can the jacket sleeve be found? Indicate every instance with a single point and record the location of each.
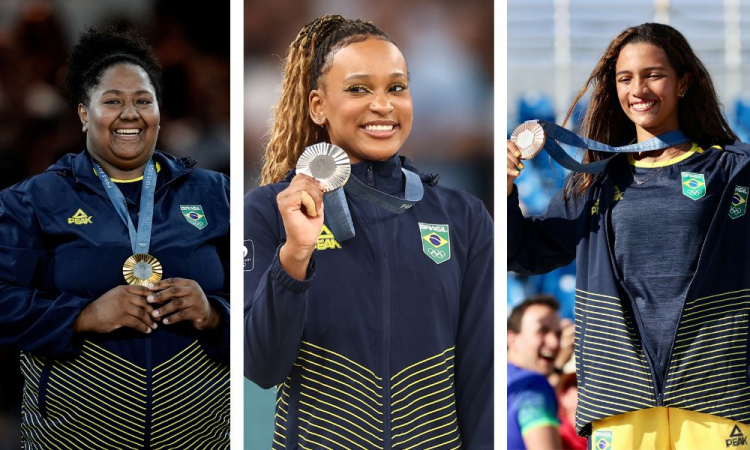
(275, 303)
(543, 243)
(474, 343)
(31, 319)
(216, 342)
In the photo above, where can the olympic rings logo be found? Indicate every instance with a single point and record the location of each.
(436, 253)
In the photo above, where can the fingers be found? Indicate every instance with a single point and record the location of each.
(292, 198)
(309, 204)
(514, 164)
(139, 318)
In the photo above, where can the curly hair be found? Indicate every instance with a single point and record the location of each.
(99, 49)
(699, 111)
(308, 58)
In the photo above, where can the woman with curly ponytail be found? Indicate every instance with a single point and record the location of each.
(382, 339)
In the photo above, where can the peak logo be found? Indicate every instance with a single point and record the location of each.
(736, 439)
(80, 218)
(326, 240)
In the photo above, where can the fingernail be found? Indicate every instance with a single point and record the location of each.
(517, 153)
(155, 313)
(520, 165)
(150, 298)
(148, 331)
(151, 285)
(166, 321)
(155, 325)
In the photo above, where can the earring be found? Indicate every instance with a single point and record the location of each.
(681, 94)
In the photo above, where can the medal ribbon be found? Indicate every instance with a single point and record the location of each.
(555, 133)
(140, 240)
(337, 210)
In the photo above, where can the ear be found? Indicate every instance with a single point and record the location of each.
(316, 101)
(511, 339)
(684, 84)
(83, 114)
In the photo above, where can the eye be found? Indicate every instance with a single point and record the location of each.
(397, 88)
(143, 101)
(624, 80)
(112, 101)
(358, 89)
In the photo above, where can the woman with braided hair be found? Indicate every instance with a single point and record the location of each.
(383, 339)
(113, 355)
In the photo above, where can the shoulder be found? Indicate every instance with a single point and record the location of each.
(521, 380)
(456, 201)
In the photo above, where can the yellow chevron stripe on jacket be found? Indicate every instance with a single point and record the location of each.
(100, 400)
(340, 403)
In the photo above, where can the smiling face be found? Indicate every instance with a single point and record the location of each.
(537, 344)
(121, 120)
(648, 89)
(364, 100)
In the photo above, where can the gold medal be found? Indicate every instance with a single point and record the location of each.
(529, 138)
(141, 269)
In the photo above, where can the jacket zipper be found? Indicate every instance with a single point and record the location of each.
(386, 325)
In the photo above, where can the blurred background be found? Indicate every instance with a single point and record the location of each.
(552, 47)
(448, 46)
(39, 124)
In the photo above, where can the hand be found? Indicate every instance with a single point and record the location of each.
(122, 306)
(514, 165)
(182, 300)
(567, 342)
(301, 208)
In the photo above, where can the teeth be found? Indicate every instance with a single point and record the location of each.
(128, 131)
(379, 127)
(642, 105)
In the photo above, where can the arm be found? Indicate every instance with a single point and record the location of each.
(474, 343)
(542, 438)
(541, 244)
(276, 289)
(32, 319)
(537, 417)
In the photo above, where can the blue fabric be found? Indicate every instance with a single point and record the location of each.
(713, 317)
(657, 267)
(530, 398)
(52, 267)
(374, 308)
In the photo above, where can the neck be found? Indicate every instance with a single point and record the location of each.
(118, 173)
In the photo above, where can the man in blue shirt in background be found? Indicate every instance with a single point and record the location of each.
(534, 331)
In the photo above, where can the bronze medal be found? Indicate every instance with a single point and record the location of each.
(141, 269)
(529, 138)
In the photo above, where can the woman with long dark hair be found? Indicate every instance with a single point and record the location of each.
(659, 241)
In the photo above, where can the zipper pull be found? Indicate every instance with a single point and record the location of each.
(370, 176)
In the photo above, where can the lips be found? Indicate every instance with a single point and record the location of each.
(127, 131)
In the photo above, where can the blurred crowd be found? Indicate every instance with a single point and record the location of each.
(39, 124)
(449, 49)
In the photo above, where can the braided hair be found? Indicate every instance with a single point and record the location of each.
(101, 48)
(309, 57)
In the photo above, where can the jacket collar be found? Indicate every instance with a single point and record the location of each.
(384, 176)
(81, 168)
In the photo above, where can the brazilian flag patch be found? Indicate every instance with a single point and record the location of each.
(436, 241)
(739, 202)
(194, 215)
(693, 185)
(602, 440)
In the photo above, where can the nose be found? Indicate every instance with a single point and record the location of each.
(640, 86)
(381, 104)
(129, 112)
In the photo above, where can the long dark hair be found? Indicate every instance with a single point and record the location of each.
(699, 111)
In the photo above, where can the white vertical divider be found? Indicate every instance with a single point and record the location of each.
(237, 84)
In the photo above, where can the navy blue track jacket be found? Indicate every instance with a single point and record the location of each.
(381, 346)
(62, 245)
(709, 368)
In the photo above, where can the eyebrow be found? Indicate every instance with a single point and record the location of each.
(119, 92)
(646, 68)
(367, 77)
